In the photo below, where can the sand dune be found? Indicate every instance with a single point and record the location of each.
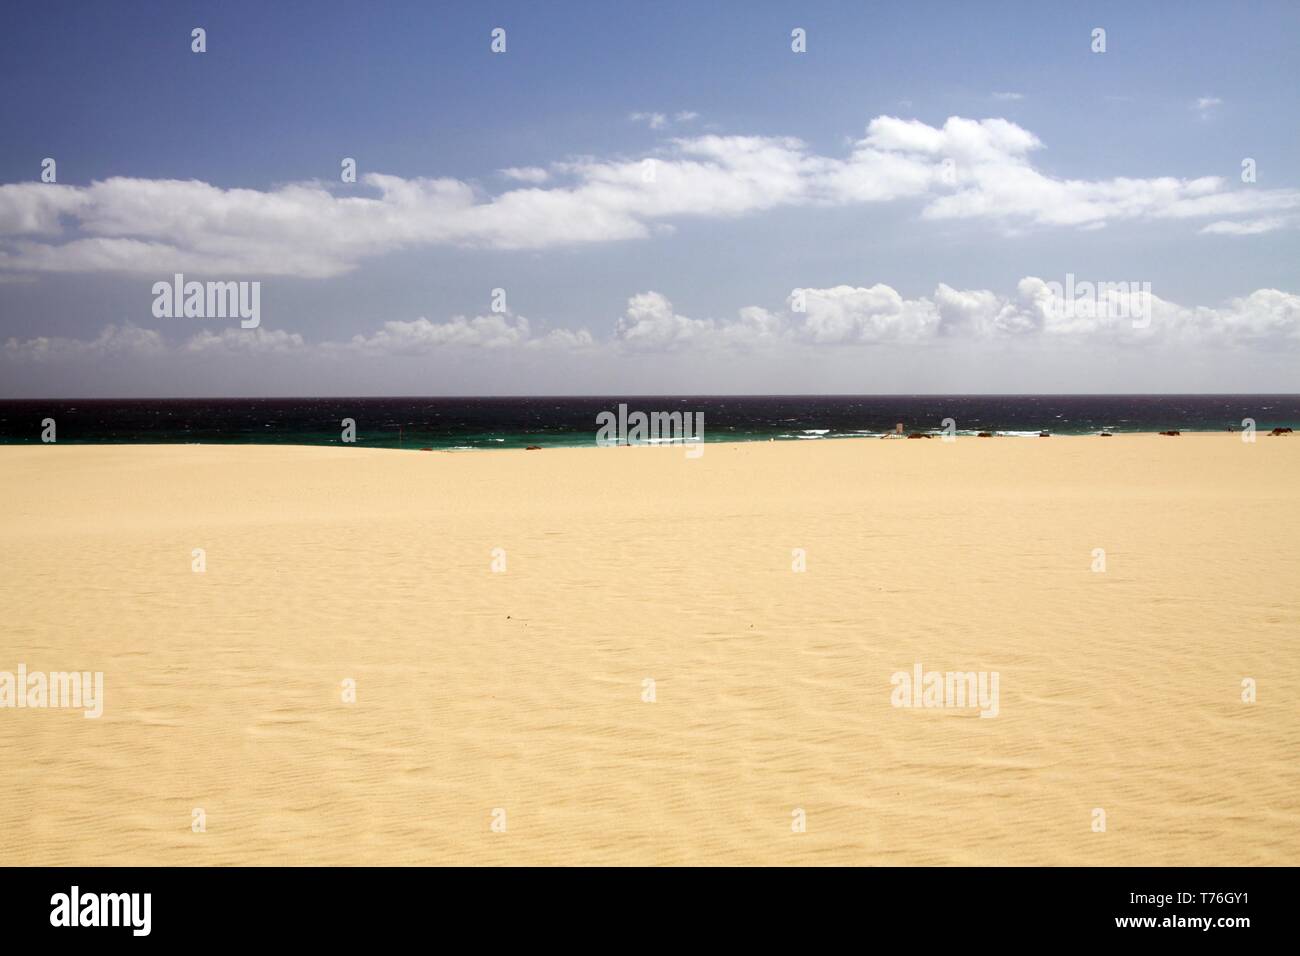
(522, 690)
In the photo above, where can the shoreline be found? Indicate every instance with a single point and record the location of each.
(930, 436)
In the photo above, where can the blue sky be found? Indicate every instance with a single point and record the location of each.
(649, 290)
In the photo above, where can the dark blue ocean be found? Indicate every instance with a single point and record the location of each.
(517, 422)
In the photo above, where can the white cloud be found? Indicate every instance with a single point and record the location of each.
(421, 336)
(981, 313)
(1204, 104)
(650, 322)
(982, 170)
(848, 314)
(964, 169)
(1253, 227)
(114, 341)
(1038, 311)
(245, 341)
(493, 332)
(659, 121)
(835, 317)
(653, 120)
(1266, 315)
(35, 208)
(571, 340)
(526, 174)
(1009, 97)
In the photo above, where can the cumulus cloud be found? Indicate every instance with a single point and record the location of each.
(651, 322)
(36, 208)
(421, 336)
(1009, 97)
(965, 169)
(986, 168)
(572, 340)
(981, 313)
(113, 341)
(847, 314)
(494, 332)
(1038, 312)
(1264, 316)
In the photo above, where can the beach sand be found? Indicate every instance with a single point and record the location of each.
(522, 690)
